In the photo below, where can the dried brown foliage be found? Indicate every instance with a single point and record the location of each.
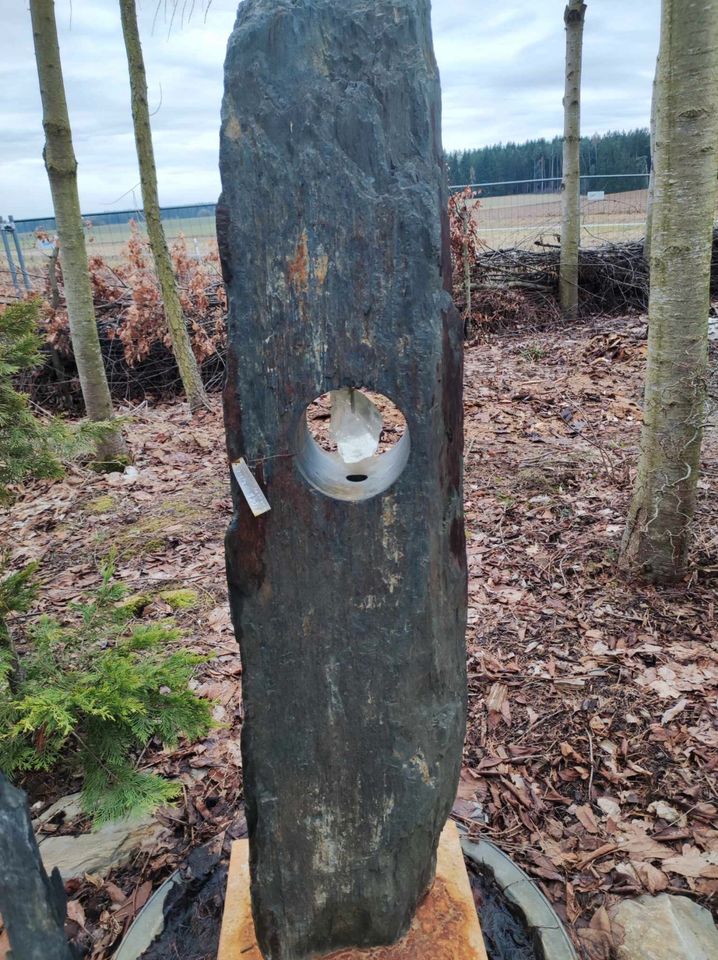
(465, 245)
(143, 322)
(498, 309)
(133, 330)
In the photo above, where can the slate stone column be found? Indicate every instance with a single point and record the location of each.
(348, 598)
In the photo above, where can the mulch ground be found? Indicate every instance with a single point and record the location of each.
(593, 719)
(592, 747)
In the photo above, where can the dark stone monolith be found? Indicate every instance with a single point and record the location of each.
(348, 596)
(32, 905)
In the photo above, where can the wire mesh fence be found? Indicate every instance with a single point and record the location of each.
(508, 214)
(107, 234)
(525, 213)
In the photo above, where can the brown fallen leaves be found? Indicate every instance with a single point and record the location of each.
(592, 745)
(593, 717)
(166, 525)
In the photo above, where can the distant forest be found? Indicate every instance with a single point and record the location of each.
(625, 151)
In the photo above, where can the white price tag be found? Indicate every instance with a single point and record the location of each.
(253, 494)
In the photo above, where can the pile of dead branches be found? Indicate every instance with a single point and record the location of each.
(134, 336)
(614, 281)
(613, 278)
(56, 385)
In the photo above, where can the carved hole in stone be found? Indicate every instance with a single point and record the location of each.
(322, 419)
(352, 444)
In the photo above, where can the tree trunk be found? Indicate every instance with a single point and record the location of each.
(16, 674)
(574, 16)
(33, 905)
(55, 302)
(181, 346)
(61, 168)
(657, 533)
(651, 181)
(465, 221)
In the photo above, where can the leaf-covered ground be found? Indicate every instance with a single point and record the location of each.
(592, 749)
(593, 730)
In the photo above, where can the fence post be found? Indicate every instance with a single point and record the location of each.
(8, 254)
(20, 258)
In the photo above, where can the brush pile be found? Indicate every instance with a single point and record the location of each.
(134, 337)
(613, 278)
(614, 281)
(513, 290)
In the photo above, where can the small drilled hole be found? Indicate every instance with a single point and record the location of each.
(357, 477)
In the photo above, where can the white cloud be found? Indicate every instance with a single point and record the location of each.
(501, 63)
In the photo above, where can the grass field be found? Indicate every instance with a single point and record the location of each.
(109, 240)
(520, 220)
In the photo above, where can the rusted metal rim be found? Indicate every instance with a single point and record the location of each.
(523, 896)
(149, 922)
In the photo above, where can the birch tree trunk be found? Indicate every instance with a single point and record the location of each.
(651, 181)
(61, 168)
(574, 16)
(656, 539)
(465, 221)
(181, 346)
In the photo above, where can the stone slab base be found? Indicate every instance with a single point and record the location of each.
(445, 927)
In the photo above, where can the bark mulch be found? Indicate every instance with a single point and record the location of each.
(592, 747)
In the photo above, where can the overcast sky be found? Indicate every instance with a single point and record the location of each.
(502, 74)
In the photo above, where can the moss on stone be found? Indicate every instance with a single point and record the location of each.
(180, 508)
(101, 504)
(183, 599)
(136, 603)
